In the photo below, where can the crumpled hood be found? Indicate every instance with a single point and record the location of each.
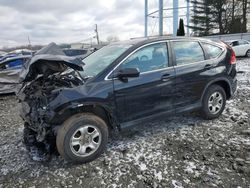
(48, 60)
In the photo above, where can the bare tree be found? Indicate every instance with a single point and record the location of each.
(220, 16)
(244, 15)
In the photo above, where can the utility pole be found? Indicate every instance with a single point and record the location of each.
(160, 17)
(29, 42)
(97, 35)
(175, 16)
(160, 10)
(188, 17)
(146, 19)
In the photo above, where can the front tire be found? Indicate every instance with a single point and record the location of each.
(214, 102)
(82, 138)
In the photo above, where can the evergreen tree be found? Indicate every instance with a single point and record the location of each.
(181, 30)
(202, 20)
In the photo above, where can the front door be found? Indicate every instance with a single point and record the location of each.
(152, 92)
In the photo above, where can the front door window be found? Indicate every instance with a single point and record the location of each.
(150, 58)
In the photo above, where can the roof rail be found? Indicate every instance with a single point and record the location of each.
(151, 37)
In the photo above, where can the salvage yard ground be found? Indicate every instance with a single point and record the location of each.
(181, 151)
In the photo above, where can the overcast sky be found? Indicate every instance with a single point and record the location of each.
(68, 21)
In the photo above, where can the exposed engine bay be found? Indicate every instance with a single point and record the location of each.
(43, 78)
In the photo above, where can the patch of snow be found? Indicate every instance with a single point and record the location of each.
(190, 168)
(143, 166)
(4, 171)
(177, 184)
(159, 176)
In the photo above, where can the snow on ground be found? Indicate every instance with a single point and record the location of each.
(181, 151)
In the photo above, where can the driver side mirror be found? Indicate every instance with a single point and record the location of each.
(125, 73)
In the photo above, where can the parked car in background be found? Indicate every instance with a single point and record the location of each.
(117, 88)
(240, 47)
(2, 53)
(6, 56)
(16, 53)
(22, 52)
(9, 73)
(79, 53)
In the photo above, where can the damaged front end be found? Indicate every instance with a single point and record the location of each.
(42, 78)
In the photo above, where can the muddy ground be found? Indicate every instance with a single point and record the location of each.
(181, 151)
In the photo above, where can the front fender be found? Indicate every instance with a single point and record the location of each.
(57, 118)
(63, 107)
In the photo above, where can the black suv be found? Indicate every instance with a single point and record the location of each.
(73, 107)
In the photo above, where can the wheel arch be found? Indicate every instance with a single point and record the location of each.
(247, 52)
(102, 111)
(224, 83)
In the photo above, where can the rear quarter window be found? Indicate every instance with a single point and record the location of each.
(212, 50)
(187, 52)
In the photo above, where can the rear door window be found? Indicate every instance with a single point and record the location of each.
(187, 52)
(211, 50)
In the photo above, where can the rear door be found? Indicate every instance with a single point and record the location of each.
(189, 64)
(153, 91)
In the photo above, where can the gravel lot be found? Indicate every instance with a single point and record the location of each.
(181, 151)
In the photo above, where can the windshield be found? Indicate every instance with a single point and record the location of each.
(99, 60)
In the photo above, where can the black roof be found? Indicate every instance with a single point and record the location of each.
(143, 40)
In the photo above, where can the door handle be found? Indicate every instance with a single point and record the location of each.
(208, 66)
(165, 77)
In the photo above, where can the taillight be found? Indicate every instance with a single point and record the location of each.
(233, 57)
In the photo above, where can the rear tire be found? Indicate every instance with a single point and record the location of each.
(82, 138)
(213, 102)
